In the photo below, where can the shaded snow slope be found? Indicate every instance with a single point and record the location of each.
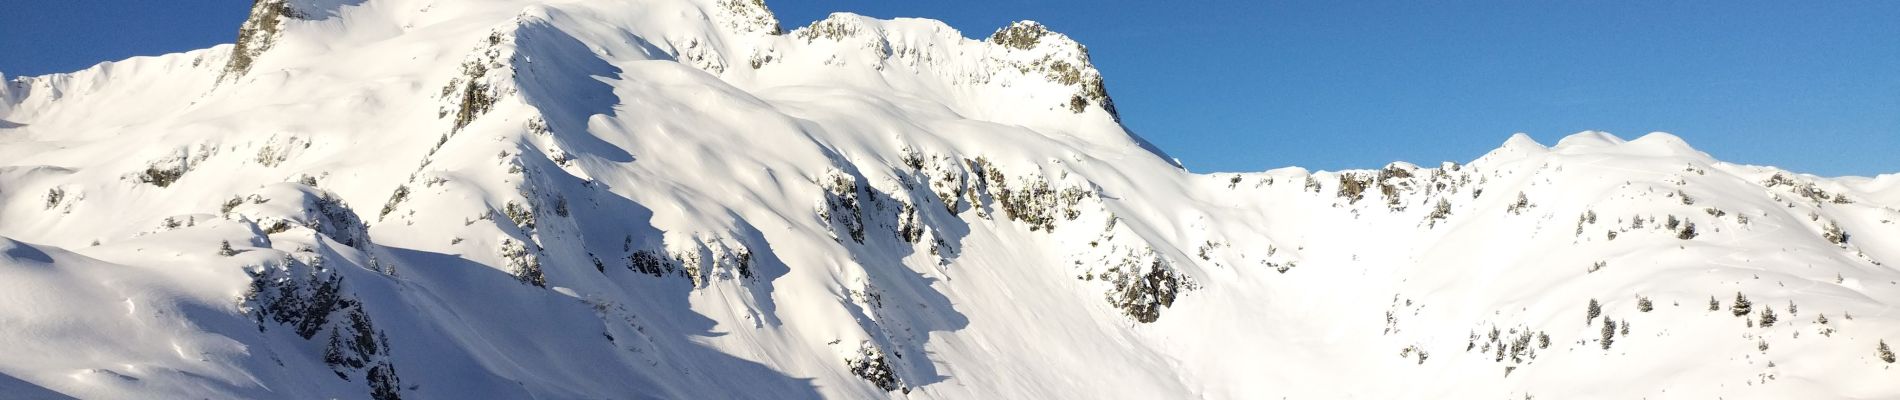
(687, 199)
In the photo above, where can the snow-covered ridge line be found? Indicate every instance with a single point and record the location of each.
(1024, 47)
(111, 85)
(681, 199)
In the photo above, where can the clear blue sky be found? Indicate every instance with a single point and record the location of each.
(1250, 85)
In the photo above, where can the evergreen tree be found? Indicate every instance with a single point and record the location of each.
(383, 382)
(1609, 332)
(1742, 306)
(333, 355)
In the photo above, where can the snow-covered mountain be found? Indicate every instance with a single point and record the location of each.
(684, 199)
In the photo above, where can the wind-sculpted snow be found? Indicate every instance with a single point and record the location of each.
(682, 199)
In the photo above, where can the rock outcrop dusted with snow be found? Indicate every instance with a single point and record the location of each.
(1060, 59)
(259, 33)
(680, 199)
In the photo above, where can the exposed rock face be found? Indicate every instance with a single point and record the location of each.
(871, 365)
(749, 16)
(1064, 61)
(258, 34)
(302, 293)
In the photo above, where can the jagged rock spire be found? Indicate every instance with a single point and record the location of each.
(257, 35)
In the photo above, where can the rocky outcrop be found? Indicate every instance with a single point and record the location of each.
(258, 34)
(304, 293)
(285, 206)
(1061, 60)
(748, 16)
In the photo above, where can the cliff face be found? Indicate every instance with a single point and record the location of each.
(680, 199)
(258, 34)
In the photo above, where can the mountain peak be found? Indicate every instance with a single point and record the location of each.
(1063, 60)
(258, 34)
(1587, 139)
(1518, 146)
(1664, 144)
(1654, 144)
(1025, 35)
(1522, 140)
(749, 16)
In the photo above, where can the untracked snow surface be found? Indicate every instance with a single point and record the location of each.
(685, 199)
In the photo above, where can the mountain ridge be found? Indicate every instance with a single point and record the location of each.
(681, 199)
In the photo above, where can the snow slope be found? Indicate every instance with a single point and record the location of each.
(684, 199)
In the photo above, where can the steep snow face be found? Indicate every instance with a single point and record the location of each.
(682, 199)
